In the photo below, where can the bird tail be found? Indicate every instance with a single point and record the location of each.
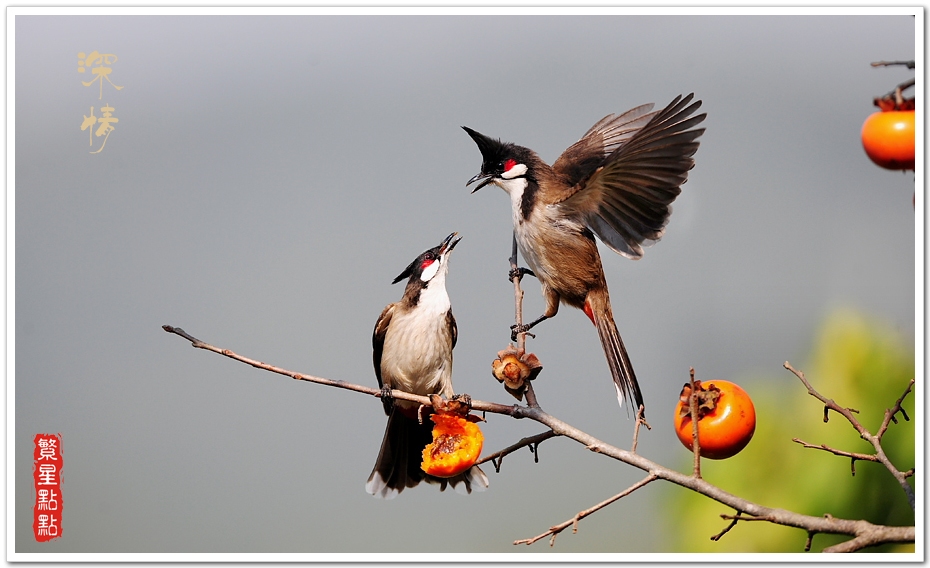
(398, 464)
(597, 307)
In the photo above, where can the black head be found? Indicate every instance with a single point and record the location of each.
(500, 160)
(431, 263)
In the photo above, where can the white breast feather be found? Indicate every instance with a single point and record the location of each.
(419, 357)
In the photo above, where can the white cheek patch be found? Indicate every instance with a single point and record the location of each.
(516, 171)
(430, 271)
(514, 187)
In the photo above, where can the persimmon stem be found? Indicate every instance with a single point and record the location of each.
(696, 443)
(640, 421)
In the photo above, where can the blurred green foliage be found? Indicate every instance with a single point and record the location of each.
(858, 362)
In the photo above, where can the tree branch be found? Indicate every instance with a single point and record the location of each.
(516, 274)
(733, 521)
(875, 440)
(909, 64)
(864, 533)
(515, 410)
(532, 441)
(695, 441)
(573, 522)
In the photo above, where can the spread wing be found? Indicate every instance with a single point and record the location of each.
(626, 199)
(377, 338)
(583, 157)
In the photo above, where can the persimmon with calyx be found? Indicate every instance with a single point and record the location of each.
(457, 440)
(888, 139)
(726, 418)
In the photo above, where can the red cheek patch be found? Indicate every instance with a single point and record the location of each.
(509, 164)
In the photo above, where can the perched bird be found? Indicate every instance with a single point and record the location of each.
(618, 183)
(413, 341)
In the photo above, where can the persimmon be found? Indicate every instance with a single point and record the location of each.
(726, 418)
(888, 139)
(456, 445)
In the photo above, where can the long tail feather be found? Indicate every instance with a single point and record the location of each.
(617, 359)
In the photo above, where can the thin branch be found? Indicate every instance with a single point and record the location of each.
(515, 276)
(909, 64)
(889, 414)
(640, 421)
(695, 442)
(876, 441)
(532, 441)
(853, 456)
(481, 405)
(738, 517)
(733, 520)
(573, 522)
(864, 533)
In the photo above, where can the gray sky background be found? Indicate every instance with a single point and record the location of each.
(269, 177)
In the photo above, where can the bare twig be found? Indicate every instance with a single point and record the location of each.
(733, 521)
(514, 410)
(640, 421)
(853, 456)
(515, 276)
(865, 534)
(695, 442)
(875, 440)
(889, 414)
(908, 64)
(532, 441)
(573, 522)
(810, 541)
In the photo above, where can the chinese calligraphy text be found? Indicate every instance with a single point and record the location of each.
(99, 64)
(46, 472)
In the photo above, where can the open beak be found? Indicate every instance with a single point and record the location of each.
(482, 176)
(449, 243)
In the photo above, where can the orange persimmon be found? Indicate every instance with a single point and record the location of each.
(888, 139)
(727, 418)
(456, 445)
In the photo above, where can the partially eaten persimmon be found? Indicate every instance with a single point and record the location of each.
(456, 445)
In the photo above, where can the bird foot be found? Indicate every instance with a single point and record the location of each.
(387, 400)
(519, 273)
(459, 404)
(464, 399)
(516, 330)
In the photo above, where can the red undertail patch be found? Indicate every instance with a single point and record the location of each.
(589, 312)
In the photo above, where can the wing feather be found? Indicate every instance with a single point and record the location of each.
(627, 199)
(583, 157)
(453, 327)
(377, 339)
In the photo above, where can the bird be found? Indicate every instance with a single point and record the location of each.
(412, 352)
(617, 182)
